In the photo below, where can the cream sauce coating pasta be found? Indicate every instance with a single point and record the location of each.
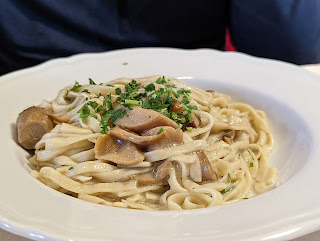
(235, 138)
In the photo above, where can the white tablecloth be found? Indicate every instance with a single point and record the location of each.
(6, 236)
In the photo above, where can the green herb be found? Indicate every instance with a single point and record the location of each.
(118, 91)
(251, 164)
(186, 99)
(101, 108)
(110, 117)
(226, 190)
(94, 115)
(70, 109)
(85, 91)
(99, 96)
(124, 63)
(84, 112)
(133, 102)
(101, 84)
(160, 131)
(189, 128)
(74, 88)
(245, 198)
(189, 108)
(229, 177)
(107, 102)
(161, 80)
(150, 87)
(93, 104)
(131, 86)
(183, 92)
(109, 85)
(91, 82)
(71, 168)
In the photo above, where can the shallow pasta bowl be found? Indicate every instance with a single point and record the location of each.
(288, 95)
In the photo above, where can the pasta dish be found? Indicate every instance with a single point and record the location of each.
(153, 143)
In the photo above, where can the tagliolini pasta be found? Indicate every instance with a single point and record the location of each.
(198, 150)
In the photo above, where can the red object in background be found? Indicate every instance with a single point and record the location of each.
(229, 45)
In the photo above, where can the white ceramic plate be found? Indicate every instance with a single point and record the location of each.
(289, 95)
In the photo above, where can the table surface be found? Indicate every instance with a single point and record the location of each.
(315, 236)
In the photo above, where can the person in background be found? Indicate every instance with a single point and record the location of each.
(34, 31)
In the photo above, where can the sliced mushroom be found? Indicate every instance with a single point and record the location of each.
(208, 172)
(149, 179)
(107, 148)
(163, 170)
(32, 124)
(144, 140)
(139, 120)
(173, 137)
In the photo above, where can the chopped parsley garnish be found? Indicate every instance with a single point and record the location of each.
(94, 115)
(110, 117)
(149, 87)
(99, 96)
(93, 104)
(132, 86)
(133, 102)
(160, 131)
(101, 108)
(226, 190)
(189, 128)
(74, 88)
(109, 85)
(84, 112)
(85, 91)
(229, 177)
(251, 164)
(161, 80)
(71, 168)
(91, 82)
(160, 97)
(118, 91)
(124, 63)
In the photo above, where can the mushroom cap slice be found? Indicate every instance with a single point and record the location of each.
(173, 137)
(106, 144)
(208, 172)
(144, 140)
(139, 120)
(109, 149)
(149, 179)
(163, 170)
(32, 124)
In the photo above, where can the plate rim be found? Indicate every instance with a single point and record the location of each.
(21, 229)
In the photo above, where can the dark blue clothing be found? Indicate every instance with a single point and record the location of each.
(36, 30)
(33, 31)
(288, 30)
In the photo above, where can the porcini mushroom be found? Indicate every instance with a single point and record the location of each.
(32, 124)
(208, 172)
(109, 149)
(139, 120)
(145, 140)
(173, 137)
